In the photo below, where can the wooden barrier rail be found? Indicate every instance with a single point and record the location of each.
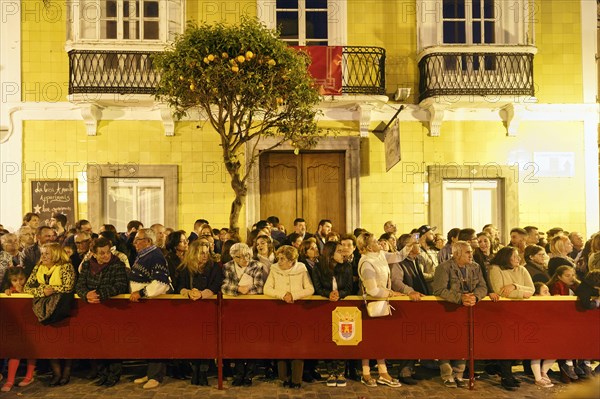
(256, 326)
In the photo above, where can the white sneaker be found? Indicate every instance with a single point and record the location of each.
(140, 380)
(331, 381)
(151, 384)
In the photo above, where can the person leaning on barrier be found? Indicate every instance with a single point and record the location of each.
(53, 274)
(458, 280)
(149, 278)
(199, 278)
(102, 276)
(374, 273)
(509, 280)
(243, 275)
(332, 278)
(407, 277)
(289, 281)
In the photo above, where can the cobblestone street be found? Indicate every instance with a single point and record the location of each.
(430, 388)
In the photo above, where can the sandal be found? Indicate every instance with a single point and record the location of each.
(390, 382)
(368, 380)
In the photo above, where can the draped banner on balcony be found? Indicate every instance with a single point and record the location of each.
(326, 67)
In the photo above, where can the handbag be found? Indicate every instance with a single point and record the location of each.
(53, 308)
(379, 308)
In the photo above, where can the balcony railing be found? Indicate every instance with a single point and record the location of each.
(132, 72)
(107, 71)
(363, 70)
(493, 71)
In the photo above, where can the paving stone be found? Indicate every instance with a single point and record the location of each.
(170, 389)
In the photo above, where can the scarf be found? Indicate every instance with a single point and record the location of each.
(96, 268)
(49, 276)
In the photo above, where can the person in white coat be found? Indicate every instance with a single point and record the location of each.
(289, 281)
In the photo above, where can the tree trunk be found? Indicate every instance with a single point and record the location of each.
(241, 191)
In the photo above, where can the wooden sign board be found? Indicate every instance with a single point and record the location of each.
(392, 145)
(49, 196)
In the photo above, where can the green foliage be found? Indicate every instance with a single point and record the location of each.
(244, 78)
(248, 83)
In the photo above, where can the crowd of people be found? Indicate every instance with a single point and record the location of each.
(462, 267)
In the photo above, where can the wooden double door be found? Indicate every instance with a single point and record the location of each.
(310, 185)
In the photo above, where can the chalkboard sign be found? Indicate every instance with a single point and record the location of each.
(49, 196)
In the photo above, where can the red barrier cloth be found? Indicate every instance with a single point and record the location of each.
(532, 329)
(115, 329)
(326, 67)
(303, 330)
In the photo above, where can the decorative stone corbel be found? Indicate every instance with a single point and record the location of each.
(365, 110)
(167, 120)
(91, 114)
(513, 119)
(436, 117)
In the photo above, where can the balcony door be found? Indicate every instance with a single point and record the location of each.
(309, 185)
(471, 203)
(306, 22)
(469, 22)
(475, 22)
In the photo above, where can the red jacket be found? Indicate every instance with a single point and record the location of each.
(560, 288)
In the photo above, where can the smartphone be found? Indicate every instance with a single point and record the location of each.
(416, 236)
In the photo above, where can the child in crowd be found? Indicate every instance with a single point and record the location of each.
(540, 367)
(564, 281)
(16, 277)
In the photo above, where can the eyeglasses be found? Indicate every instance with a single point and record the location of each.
(82, 242)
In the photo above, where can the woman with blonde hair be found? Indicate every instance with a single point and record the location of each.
(560, 248)
(374, 273)
(53, 274)
(199, 278)
(289, 281)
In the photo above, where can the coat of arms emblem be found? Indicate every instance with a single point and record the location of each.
(346, 325)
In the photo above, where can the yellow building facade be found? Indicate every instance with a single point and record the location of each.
(539, 153)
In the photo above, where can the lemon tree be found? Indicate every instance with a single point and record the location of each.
(248, 83)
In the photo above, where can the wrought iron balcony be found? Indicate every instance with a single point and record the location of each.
(489, 71)
(132, 72)
(363, 70)
(108, 71)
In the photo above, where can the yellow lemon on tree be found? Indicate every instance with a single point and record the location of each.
(241, 58)
(249, 54)
(235, 68)
(272, 62)
(211, 57)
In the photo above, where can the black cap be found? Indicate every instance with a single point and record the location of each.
(425, 228)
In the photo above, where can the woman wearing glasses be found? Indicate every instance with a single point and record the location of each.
(242, 276)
